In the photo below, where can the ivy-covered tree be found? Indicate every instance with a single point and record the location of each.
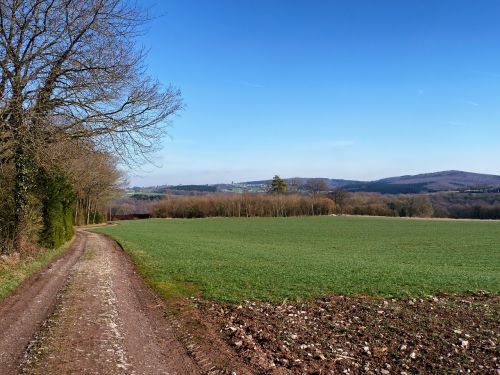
(58, 200)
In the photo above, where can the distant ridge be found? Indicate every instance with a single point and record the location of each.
(447, 180)
(452, 180)
(303, 181)
(409, 184)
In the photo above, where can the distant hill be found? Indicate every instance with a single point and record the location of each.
(302, 181)
(447, 180)
(421, 183)
(430, 182)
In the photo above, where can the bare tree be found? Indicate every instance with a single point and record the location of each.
(317, 185)
(339, 196)
(94, 176)
(295, 184)
(70, 69)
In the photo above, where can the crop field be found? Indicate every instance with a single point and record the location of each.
(272, 259)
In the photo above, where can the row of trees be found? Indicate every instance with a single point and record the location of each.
(375, 204)
(242, 205)
(73, 92)
(467, 206)
(74, 186)
(291, 204)
(444, 205)
(315, 198)
(320, 200)
(338, 201)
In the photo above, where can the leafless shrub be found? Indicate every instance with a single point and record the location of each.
(244, 205)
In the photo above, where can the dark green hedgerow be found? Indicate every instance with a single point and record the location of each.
(58, 207)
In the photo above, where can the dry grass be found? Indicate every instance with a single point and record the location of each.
(14, 269)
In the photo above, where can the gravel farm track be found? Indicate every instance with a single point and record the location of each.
(88, 312)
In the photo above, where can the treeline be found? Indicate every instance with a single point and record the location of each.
(242, 205)
(443, 205)
(467, 205)
(130, 206)
(71, 183)
(475, 212)
(69, 107)
(248, 205)
(374, 204)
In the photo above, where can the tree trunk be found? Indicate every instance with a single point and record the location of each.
(76, 211)
(95, 213)
(88, 212)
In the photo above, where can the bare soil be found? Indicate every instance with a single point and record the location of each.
(347, 335)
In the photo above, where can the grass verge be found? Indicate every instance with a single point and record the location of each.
(273, 259)
(13, 271)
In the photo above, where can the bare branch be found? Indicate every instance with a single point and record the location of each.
(72, 69)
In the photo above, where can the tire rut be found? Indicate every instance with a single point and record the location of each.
(24, 311)
(101, 325)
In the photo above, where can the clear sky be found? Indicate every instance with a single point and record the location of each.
(339, 89)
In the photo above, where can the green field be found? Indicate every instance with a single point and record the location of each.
(230, 259)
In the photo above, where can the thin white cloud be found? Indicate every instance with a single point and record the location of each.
(471, 102)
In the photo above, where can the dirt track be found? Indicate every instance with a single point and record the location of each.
(24, 311)
(89, 313)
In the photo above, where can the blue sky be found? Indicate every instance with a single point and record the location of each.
(340, 89)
